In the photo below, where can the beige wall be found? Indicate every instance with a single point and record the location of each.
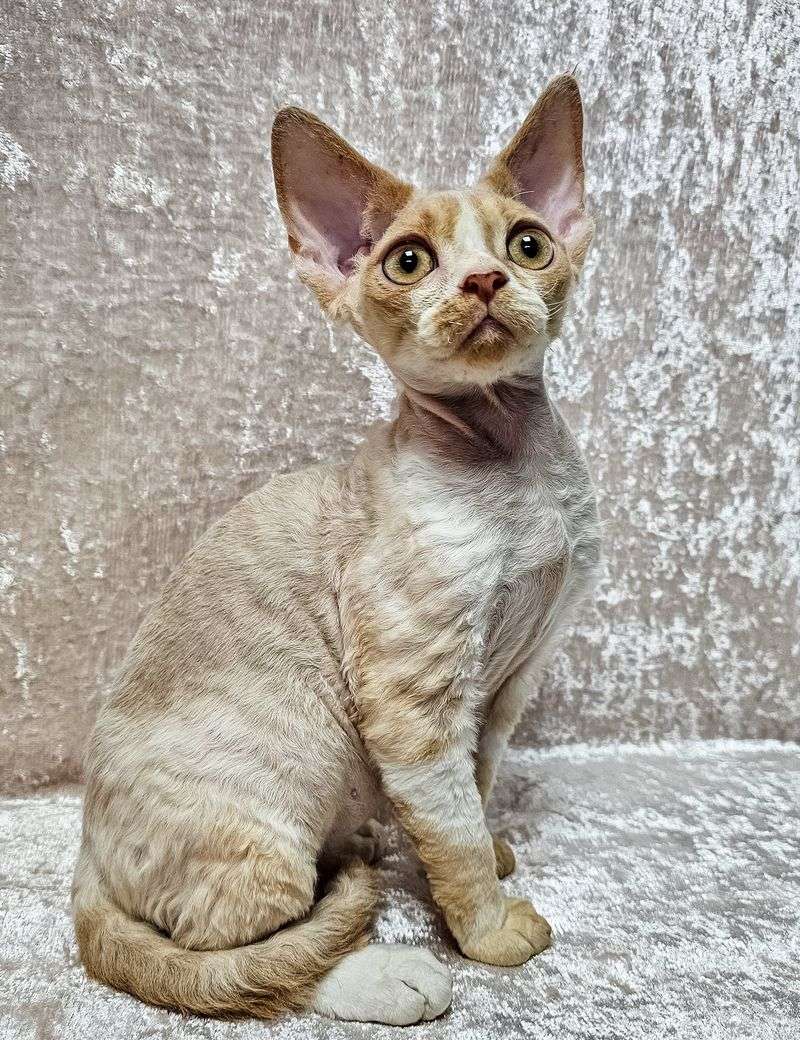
(159, 360)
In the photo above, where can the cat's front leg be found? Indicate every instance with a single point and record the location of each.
(424, 752)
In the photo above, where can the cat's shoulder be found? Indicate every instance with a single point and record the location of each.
(279, 509)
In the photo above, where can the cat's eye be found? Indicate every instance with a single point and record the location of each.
(408, 263)
(531, 248)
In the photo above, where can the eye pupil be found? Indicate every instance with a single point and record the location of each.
(531, 248)
(408, 261)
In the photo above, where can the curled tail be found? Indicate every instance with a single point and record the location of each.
(264, 979)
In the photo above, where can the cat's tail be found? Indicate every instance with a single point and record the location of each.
(280, 973)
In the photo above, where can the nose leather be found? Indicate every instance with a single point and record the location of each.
(484, 284)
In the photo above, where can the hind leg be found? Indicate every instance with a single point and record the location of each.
(502, 718)
(504, 857)
(368, 843)
(396, 985)
(242, 898)
(217, 845)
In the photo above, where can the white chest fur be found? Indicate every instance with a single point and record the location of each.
(510, 549)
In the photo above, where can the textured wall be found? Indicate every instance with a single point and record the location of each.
(159, 360)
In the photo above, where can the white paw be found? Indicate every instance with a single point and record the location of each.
(397, 985)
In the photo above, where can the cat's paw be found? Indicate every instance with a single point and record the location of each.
(523, 934)
(369, 841)
(397, 985)
(504, 858)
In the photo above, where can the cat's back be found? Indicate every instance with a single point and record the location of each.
(252, 583)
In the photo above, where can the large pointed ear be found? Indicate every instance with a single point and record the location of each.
(334, 202)
(543, 165)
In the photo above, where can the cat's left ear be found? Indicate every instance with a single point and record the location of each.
(334, 202)
(543, 166)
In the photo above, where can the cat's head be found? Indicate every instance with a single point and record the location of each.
(451, 287)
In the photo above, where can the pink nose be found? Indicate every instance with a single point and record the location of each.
(484, 284)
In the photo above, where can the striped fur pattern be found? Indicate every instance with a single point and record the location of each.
(354, 639)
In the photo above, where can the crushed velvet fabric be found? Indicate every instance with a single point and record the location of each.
(671, 876)
(159, 359)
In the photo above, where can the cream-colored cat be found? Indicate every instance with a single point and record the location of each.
(349, 634)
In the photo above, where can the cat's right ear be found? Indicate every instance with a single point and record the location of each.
(334, 202)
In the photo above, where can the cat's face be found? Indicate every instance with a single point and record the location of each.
(451, 288)
(463, 287)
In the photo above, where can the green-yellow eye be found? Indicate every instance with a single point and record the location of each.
(531, 248)
(408, 263)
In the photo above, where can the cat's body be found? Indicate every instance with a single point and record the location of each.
(343, 636)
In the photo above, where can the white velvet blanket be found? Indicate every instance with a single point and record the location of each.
(671, 877)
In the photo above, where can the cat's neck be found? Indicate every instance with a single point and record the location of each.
(480, 425)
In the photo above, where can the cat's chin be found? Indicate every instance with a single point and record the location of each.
(488, 352)
(488, 330)
(476, 367)
(492, 358)
(489, 344)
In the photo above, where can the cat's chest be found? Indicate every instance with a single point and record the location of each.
(502, 550)
(481, 536)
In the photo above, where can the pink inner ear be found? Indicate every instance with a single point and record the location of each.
(550, 182)
(562, 198)
(326, 200)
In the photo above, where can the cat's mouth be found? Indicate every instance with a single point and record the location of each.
(488, 327)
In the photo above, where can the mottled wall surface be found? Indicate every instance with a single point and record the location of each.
(159, 360)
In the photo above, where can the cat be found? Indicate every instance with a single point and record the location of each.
(352, 637)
